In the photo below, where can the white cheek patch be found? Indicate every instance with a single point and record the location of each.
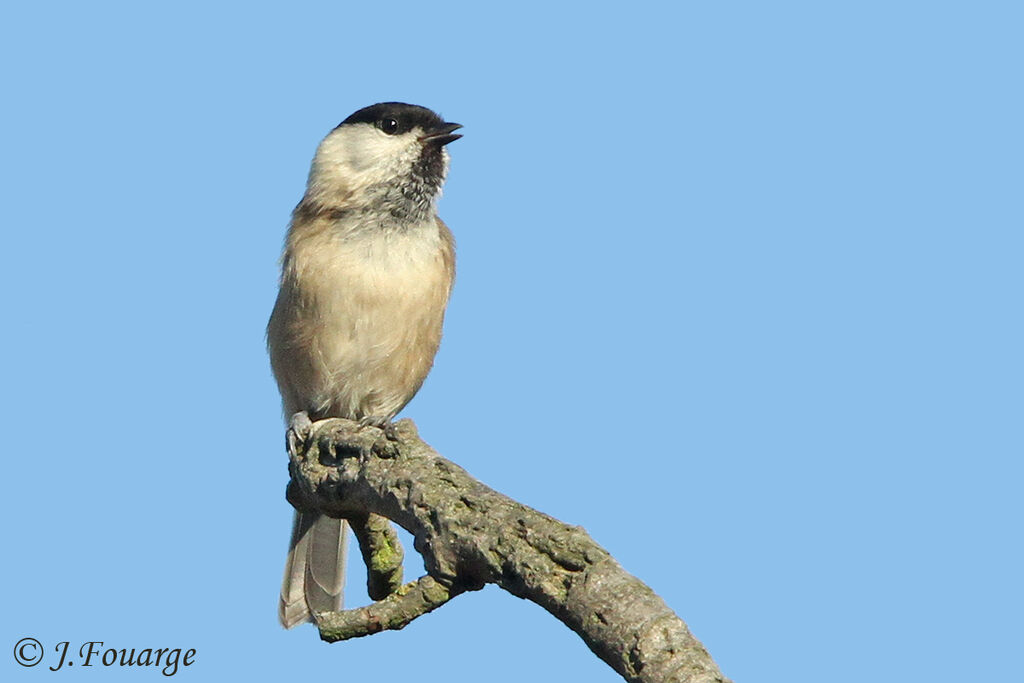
(364, 147)
(361, 155)
(366, 168)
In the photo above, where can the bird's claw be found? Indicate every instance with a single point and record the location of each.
(300, 427)
(383, 423)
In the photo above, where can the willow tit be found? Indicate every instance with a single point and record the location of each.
(366, 274)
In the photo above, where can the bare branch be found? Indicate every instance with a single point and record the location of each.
(382, 553)
(470, 535)
(392, 613)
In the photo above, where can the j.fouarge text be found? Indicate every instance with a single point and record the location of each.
(93, 653)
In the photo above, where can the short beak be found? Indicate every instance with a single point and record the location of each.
(442, 135)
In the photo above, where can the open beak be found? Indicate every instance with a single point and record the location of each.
(442, 135)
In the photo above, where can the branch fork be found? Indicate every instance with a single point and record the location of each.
(470, 535)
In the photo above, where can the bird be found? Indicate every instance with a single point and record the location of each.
(366, 275)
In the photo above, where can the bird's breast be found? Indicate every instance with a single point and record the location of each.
(365, 317)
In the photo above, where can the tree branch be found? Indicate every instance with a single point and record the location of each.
(470, 535)
(392, 613)
(382, 554)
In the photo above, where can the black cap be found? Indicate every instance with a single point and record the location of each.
(406, 116)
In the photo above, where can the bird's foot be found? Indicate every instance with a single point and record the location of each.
(300, 427)
(381, 422)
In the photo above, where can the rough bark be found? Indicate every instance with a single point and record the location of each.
(382, 554)
(470, 535)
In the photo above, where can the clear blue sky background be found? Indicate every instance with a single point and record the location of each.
(739, 292)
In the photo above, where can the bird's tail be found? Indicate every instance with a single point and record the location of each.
(314, 576)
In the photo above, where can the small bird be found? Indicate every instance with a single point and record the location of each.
(366, 274)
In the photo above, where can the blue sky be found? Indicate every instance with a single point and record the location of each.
(739, 292)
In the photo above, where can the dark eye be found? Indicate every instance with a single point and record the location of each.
(389, 126)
